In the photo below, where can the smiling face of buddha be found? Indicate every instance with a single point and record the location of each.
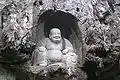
(55, 35)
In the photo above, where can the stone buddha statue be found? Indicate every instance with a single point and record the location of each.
(55, 50)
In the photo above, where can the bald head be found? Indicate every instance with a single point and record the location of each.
(54, 30)
(55, 35)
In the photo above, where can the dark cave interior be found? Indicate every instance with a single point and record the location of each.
(58, 19)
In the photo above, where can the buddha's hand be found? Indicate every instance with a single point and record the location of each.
(65, 51)
(42, 49)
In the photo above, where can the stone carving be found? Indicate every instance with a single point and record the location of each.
(55, 52)
(99, 18)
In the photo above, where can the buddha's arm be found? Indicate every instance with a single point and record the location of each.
(41, 45)
(38, 56)
(69, 46)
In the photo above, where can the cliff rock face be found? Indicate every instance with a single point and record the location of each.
(96, 22)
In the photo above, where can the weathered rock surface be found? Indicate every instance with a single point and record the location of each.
(98, 21)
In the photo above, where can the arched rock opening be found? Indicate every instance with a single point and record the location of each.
(66, 22)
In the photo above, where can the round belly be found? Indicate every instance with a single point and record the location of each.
(54, 55)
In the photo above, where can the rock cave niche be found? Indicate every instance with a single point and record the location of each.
(67, 23)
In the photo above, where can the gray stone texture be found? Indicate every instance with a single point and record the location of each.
(89, 22)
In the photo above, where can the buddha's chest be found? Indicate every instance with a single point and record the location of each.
(54, 55)
(54, 46)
